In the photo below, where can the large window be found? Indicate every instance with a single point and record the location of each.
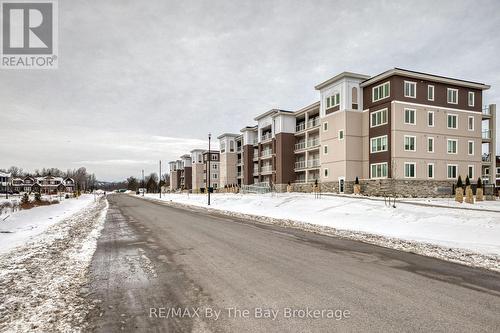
(452, 96)
(470, 171)
(378, 170)
(452, 121)
(410, 89)
(430, 93)
(430, 118)
(410, 116)
(430, 144)
(333, 100)
(381, 91)
(378, 144)
(452, 146)
(452, 171)
(410, 143)
(471, 98)
(410, 170)
(378, 118)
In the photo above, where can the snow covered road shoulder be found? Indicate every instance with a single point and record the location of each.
(464, 236)
(43, 283)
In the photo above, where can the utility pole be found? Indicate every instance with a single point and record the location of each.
(159, 181)
(143, 184)
(209, 159)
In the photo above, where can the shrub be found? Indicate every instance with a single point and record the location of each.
(467, 181)
(356, 181)
(38, 197)
(459, 182)
(66, 196)
(479, 183)
(25, 199)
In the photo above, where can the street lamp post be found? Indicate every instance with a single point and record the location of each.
(159, 181)
(209, 158)
(143, 184)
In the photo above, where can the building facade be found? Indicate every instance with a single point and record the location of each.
(5, 180)
(211, 165)
(228, 159)
(197, 168)
(44, 185)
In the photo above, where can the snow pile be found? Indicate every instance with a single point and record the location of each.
(43, 284)
(465, 236)
(18, 227)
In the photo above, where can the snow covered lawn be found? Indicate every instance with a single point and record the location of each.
(43, 282)
(22, 225)
(473, 231)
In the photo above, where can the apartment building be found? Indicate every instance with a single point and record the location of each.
(175, 178)
(185, 172)
(228, 159)
(211, 162)
(197, 168)
(45, 185)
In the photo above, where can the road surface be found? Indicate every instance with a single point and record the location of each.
(152, 258)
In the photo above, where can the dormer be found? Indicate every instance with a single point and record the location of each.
(227, 143)
(341, 92)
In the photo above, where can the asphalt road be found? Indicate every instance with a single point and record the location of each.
(151, 258)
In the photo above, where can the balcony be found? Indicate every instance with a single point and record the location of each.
(255, 157)
(486, 112)
(255, 171)
(255, 141)
(239, 149)
(300, 127)
(300, 165)
(266, 153)
(312, 123)
(266, 137)
(238, 174)
(313, 143)
(266, 169)
(486, 135)
(300, 145)
(486, 158)
(239, 161)
(313, 163)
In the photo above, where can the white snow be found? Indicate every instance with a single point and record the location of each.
(475, 231)
(44, 283)
(19, 227)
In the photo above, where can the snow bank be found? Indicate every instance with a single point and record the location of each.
(473, 231)
(43, 283)
(22, 225)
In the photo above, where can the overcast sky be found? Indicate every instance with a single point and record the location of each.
(140, 81)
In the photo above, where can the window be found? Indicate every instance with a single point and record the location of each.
(470, 123)
(470, 147)
(430, 144)
(430, 170)
(430, 118)
(410, 143)
(470, 171)
(214, 157)
(452, 96)
(325, 173)
(231, 146)
(452, 121)
(325, 126)
(214, 176)
(325, 150)
(452, 146)
(333, 100)
(378, 118)
(381, 91)
(341, 135)
(430, 93)
(378, 144)
(471, 98)
(410, 169)
(222, 147)
(378, 170)
(410, 89)
(410, 116)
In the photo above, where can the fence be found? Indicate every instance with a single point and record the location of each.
(258, 188)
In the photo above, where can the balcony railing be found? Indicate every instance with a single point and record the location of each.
(486, 111)
(300, 145)
(266, 168)
(256, 171)
(486, 158)
(238, 149)
(255, 157)
(238, 174)
(313, 122)
(266, 153)
(313, 163)
(312, 143)
(239, 161)
(266, 137)
(300, 165)
(487, 134)
(255, 141)
(300, 127)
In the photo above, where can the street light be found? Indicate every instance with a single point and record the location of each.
(159, 181)
(209, 158)
(143, 184)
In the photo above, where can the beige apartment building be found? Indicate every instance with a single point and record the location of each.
(197, 168)
(400, 132)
